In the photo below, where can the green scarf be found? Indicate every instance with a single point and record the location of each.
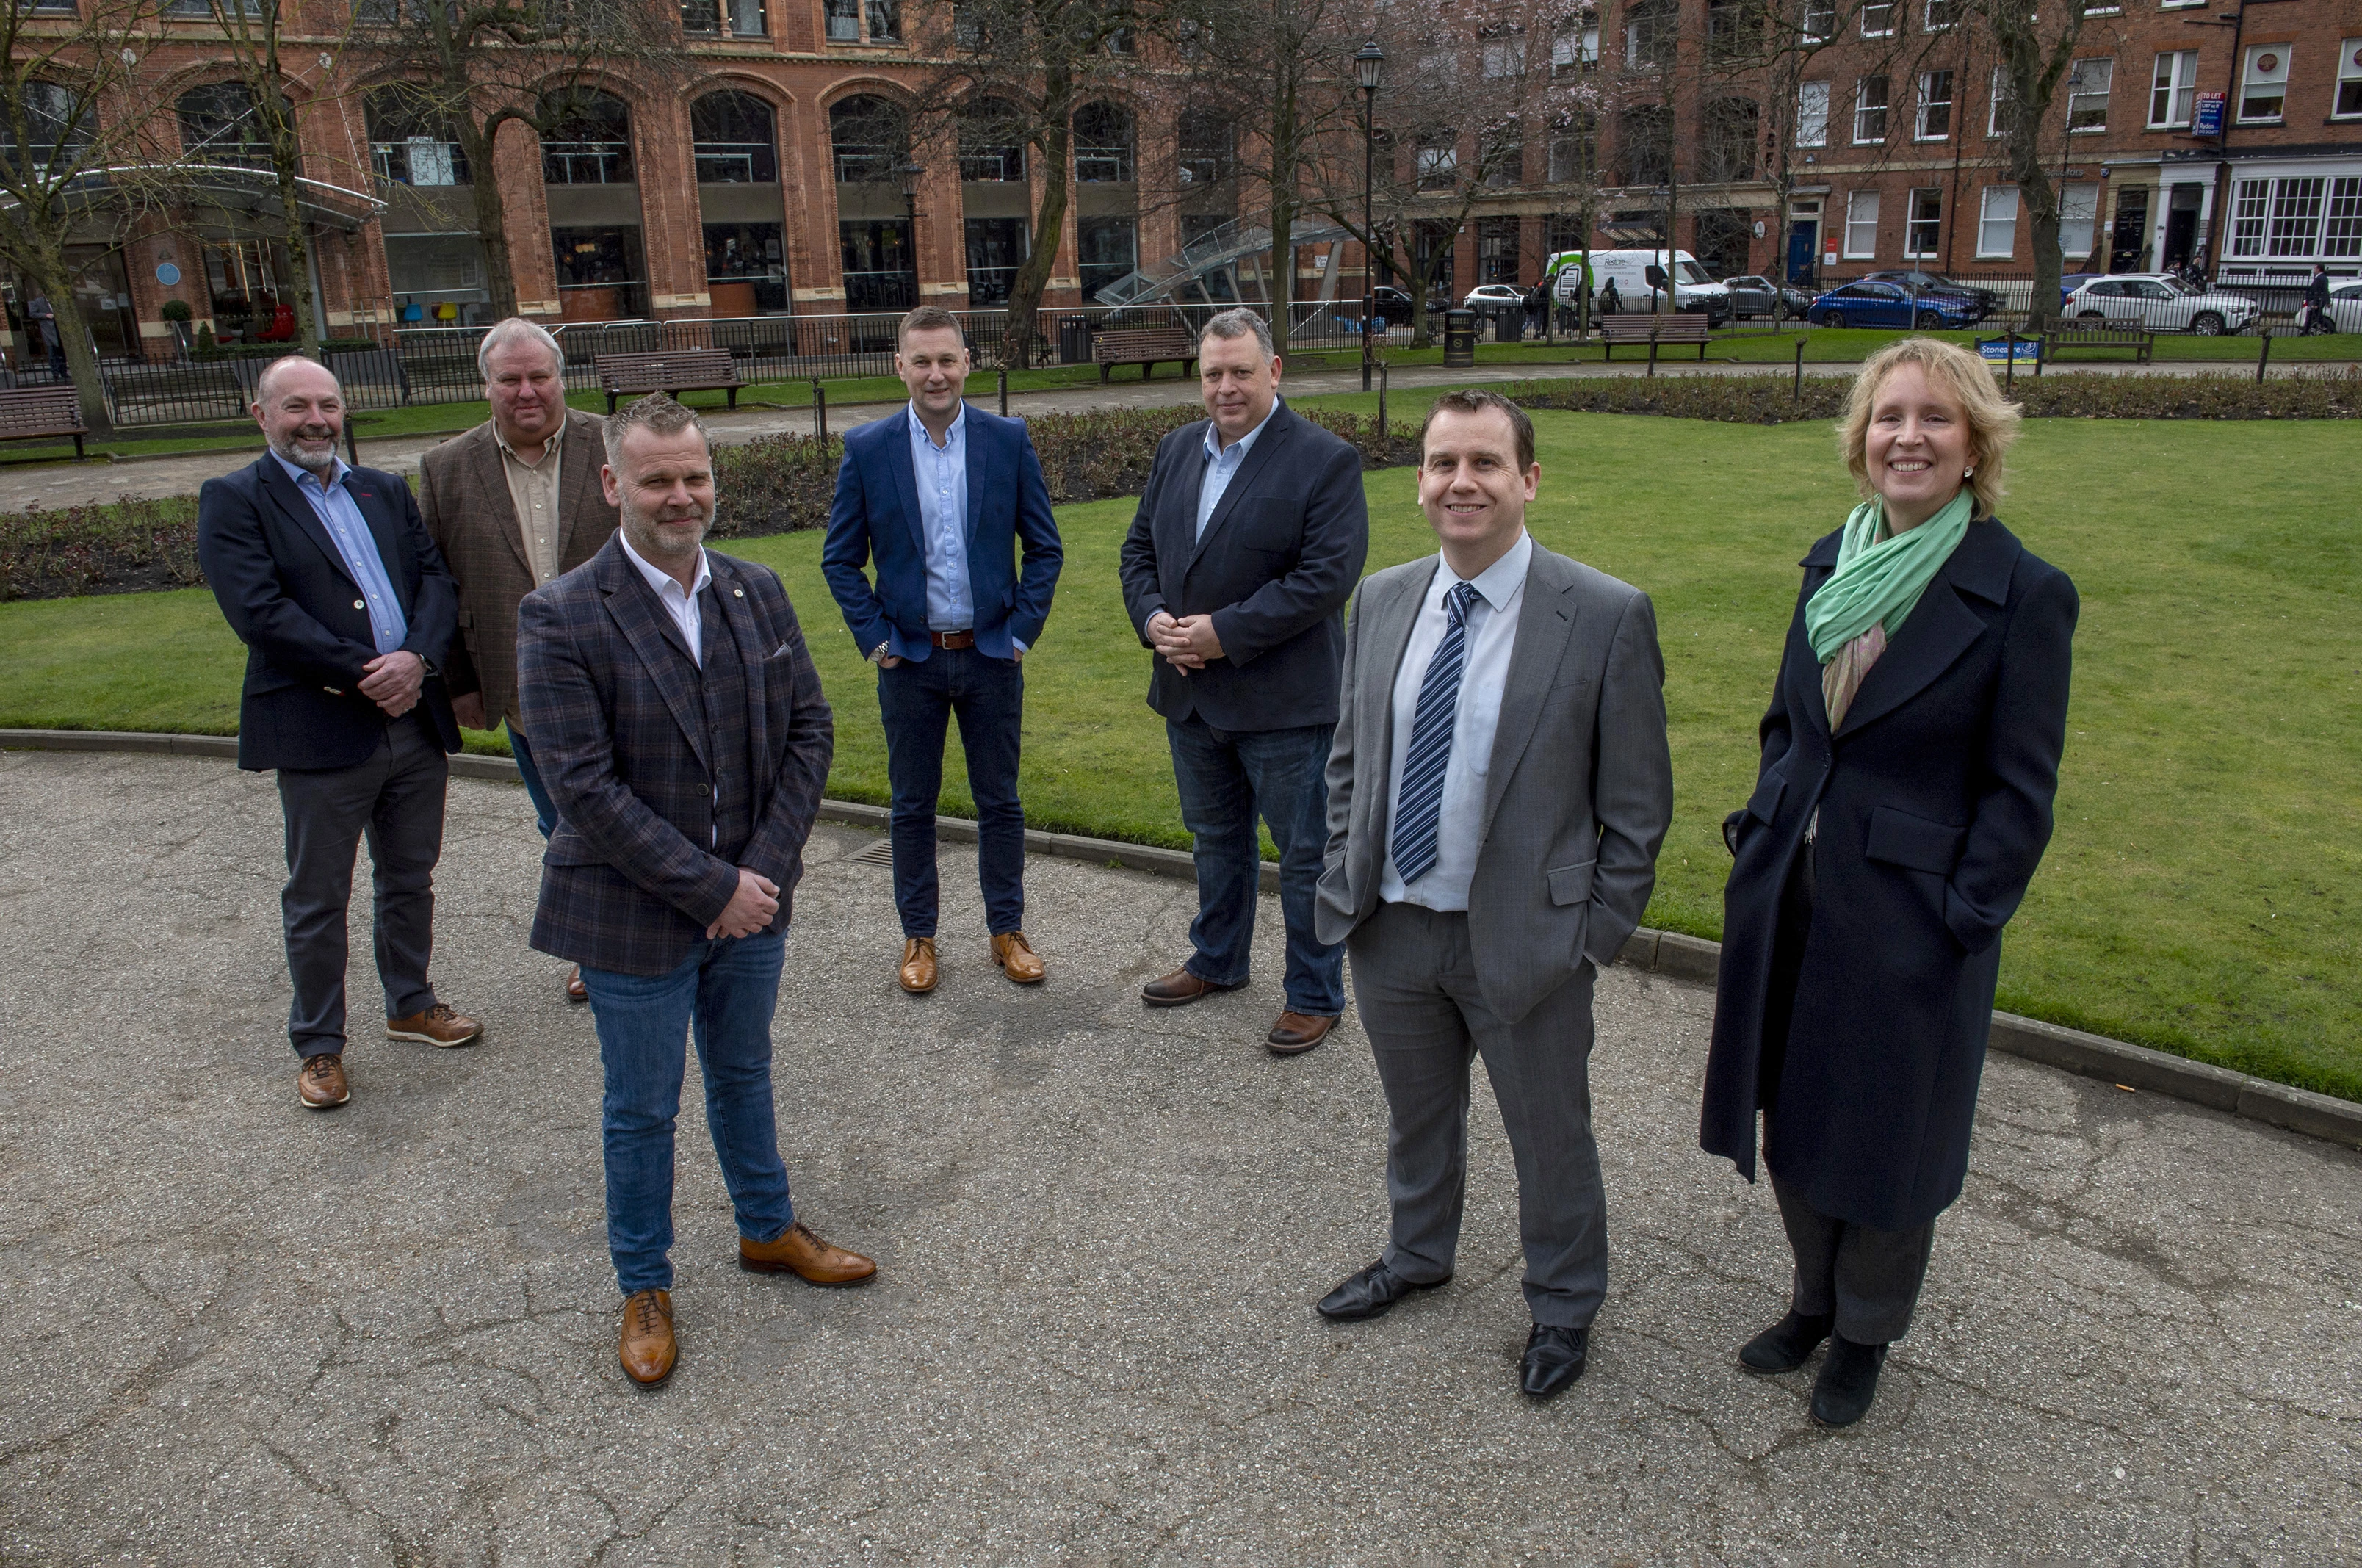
(1880, 580)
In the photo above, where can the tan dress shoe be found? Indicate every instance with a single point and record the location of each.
(438, 1025)
(647, 1345)
(800, 1251)
(321, 1085)
(1296, 1032)
(1179, 988)
(1017, 959)
(918, 971)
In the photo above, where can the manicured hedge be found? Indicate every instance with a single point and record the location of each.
(1773, 399)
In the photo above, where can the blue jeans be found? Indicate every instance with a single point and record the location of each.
(917, 701)
(545, 810)
(727, 989)
(1227, 777)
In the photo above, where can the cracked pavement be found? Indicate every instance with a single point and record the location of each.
(251, 1334)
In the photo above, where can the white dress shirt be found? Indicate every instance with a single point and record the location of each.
(1222, 465)
(682, 607)
(1492, 636)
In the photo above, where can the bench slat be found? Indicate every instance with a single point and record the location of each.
(40, 413)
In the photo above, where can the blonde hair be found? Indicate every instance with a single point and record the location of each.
(1950, 370)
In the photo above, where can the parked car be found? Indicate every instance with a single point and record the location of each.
(1692, 289)
(1890, 304)
(1986, 301)
(1755, 295)
(2346, 306)
(2161, 302)
(1392, 303)
(1490, 300)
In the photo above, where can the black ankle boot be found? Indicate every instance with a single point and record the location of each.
(1783, 1346)
(1848, 1384)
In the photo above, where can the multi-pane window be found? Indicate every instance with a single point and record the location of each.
(865, 21)
(2341, 231)
(2250, 200)
(1942, 14)
(2087, 95)
(2174, 91)
(1813, 115)
(884, 19)
(1878, 18)
(1103, 145)
(844, 21)
(734, 140)
(2079, 215)
(1576, 49)
(1505, 58)
(1820, 20)
(1869, 109)
(2297, 219)
(2004, 109)
(1925, 228)
(2263, 88)
(1935, 105)
(1437, 161)
(1649, 33)
(1861, 225)
(739, 19)
(2349, 80)
(1997, 222)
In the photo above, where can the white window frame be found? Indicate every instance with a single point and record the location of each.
(1862, 106)
(1944, 25)
(2079, 215)
(1919, 131)
(1818, 21)
(1812, 120)
(2349, 74)
(1885, 10)
(2099, 81)
(1912, 221)
(2249, 78)
(2175, 74)
(1996, 204)
(1857, 217)
(2341, 226)
(2001, 99)
(1505, 58)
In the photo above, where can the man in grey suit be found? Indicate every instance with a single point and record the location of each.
(1498, 791)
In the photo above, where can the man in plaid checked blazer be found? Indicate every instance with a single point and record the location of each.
(682, 735)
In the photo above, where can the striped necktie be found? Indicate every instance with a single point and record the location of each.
(1419, 809)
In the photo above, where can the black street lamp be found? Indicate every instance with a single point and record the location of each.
(1369, 62)
(912, 173)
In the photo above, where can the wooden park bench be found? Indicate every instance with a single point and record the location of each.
(1684, 326)
(1147, 349)
(37, 413)
(671, 373)
(2103, 335)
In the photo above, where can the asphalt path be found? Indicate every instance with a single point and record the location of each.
(247, 1334)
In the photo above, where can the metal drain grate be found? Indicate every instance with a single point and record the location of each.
(879, 854)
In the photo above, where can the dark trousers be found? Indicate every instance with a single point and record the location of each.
(1227, 778)
(1415, 982)
(545, 809)
(917, 701)
(395, 800)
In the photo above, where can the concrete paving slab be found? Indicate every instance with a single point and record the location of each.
(251, 1334)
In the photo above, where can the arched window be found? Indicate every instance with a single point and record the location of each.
(870, 137)
(55, 143)
(1726, 148)
(409, 148)
(1209, 147)
(737, 139)
(1103, 144)
(1650, 28)
(218, 125)
(588, 140)
(991, 142)
(1644, 151)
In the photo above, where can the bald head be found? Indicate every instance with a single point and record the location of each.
(302, 411)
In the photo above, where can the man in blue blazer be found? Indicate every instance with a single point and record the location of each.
(327, 575)
(943, 497)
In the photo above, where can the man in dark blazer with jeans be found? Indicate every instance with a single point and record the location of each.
(1249, 539)
(683, 737)
(328, 576)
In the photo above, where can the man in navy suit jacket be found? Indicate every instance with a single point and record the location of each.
(328, 575)
(941, 496)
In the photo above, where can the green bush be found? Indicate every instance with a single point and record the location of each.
(129, 546)
(1773, 399)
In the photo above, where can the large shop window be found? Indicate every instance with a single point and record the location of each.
(2316, 218)
(875, 253)
(996, 249)
(746, 269)
(1106, 248)
(601, 272)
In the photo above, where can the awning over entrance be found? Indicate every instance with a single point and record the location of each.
(229, 187)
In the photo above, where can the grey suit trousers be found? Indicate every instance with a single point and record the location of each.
(1415, 982)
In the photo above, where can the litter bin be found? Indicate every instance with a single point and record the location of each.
(1459, 339)
(1075, 340)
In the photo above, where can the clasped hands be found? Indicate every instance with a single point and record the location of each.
(393, 680)
(1186, 642)
(751, 909)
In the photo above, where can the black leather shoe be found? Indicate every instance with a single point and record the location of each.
(1371, 1292)
(1785, 1346)
(1554, 1358)
(1848, 1384)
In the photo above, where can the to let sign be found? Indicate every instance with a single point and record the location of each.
(2208, 120)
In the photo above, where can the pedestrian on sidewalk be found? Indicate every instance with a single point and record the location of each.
(1910, 758)
(950, 502)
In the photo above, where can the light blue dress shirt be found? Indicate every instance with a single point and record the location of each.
(1222, 466)
(942, 475)
(340, 515)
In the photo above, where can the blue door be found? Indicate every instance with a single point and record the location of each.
(1803, 237)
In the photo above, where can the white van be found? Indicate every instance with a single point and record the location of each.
(1692, 289)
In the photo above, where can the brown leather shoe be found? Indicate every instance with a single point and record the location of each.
(647, 1345)
(918, 971)
(321, 1085)
(576, 991)
(1297, 1033)
(438, 1025)
(1017, 959)
(1179, 988)
(798, 1250)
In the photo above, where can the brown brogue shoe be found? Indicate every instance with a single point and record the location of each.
(1017, 959)
(799, 1250)
(1179, 988)
(918, 973)
(321, 1085)
(647, 1345)
(438, 1025)
(1297, 1033)
(576, 991)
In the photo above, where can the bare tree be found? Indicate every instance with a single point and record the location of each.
(2036, 48)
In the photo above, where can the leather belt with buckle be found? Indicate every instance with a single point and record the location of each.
(952, 640)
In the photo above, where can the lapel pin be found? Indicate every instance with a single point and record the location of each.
(738, 593)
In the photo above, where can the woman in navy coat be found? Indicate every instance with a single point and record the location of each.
(1910, 758)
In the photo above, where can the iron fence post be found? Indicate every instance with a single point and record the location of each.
(1381, 399)
(2009, 359)
(1800, 369)
(820, 410)
(2263, 352)
(1004, 392)
(1652, 346)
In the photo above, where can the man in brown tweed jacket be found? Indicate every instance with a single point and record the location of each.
(512, 504)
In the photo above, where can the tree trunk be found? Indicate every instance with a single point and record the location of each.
(1049, 221)
(491, 216)
(2041, 199)
(299, 258)
(1282, 269)
(48, 274)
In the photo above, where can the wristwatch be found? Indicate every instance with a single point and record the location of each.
(877, 654)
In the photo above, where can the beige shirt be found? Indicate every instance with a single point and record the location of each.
(533, 489)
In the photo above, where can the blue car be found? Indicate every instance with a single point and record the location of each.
(1890, 305)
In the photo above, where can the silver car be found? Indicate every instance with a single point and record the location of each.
(2160, 303)
(1495, 299)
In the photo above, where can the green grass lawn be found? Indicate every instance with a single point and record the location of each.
(2200, 895)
